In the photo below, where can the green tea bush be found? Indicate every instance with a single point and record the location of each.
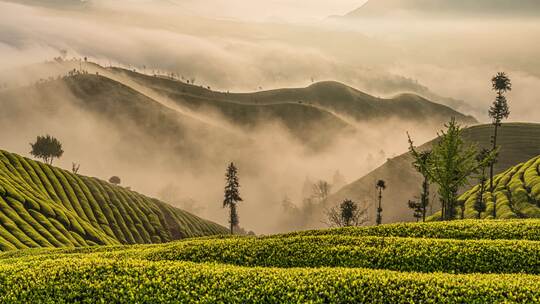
(99, 280)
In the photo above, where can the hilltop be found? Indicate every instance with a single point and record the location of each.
(334, 98)
(44, 206)
(519, 143)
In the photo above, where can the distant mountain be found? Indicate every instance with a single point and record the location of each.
(519, 143)
(314, 114)
(333, 98)
(44, 206)
(382, 8)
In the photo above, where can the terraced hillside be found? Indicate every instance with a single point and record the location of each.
(471, 261)
(517, 192)
(44, 206)
(519, 142)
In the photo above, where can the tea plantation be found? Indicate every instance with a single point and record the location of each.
(103, 234)
(517, 193)
(471, 261)
(44, 206)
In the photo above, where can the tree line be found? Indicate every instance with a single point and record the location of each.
(451, 163)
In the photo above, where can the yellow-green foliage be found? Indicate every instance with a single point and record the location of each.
(517, 193)
(526, 229)
(330, 266)
(44, 206)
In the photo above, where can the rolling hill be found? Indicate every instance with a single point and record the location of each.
(44, 206)
(517, 191)
(433, 8)
(472, 261)
(313, 115)
(333, 98)
(519, 143)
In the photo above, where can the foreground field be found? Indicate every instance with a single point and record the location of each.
(459, 262)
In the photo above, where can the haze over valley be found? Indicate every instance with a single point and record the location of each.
(165, 93)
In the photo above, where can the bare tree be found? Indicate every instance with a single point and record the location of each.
(75, 168)
(321, 190)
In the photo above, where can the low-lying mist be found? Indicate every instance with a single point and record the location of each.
(188, 170)
(448, 61)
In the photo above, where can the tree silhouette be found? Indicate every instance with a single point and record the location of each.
(450, 165)
(75, 168)
(348, 214)
(420, 164)
(480, 204)
(380, 186)
(418, 211)
(47, 148)
(115, 180)
(232, 195)
(321, 190)
(499, 110)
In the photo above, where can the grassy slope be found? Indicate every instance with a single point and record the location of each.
(44, 206)
(519, 142)
(332, 98)
(361, 265)
(517, 191)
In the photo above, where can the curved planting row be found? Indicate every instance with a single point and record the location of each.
(400, 254)
(97, 280)
(517, 193)
(528, 229)
(44, 206)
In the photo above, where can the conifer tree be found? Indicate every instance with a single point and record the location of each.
(232, 195)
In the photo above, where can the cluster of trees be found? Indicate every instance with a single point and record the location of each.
(452, 163)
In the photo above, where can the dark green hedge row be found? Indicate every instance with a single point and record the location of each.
(94, 280)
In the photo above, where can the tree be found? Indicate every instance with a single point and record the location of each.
(47, 148)
(115, 180)
(450, 165)
(75, 168)
(348, 214)
(417, 209)
(420, 164)
(380, 186)
(321, 190)
(499, 110)
(232, 195)
(480, 204)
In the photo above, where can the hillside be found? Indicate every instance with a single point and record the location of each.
(332, 98)
(432, 8)
(519, 142)
(44, 206)
(517, 191)
(385, 264)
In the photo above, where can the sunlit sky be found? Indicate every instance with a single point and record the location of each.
(275, 10)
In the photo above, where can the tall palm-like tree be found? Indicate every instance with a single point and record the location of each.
(501, 84)
(380, 186)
